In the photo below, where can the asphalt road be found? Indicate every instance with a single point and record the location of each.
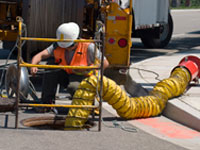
(186, 36)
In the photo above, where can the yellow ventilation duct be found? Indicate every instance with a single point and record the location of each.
(137, 107)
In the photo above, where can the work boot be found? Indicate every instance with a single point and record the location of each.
(45, 109)
(42, 109)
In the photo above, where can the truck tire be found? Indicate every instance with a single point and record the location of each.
(165, 36)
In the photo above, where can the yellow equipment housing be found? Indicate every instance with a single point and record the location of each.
(117, 21)
(118, 28)
(8, 24)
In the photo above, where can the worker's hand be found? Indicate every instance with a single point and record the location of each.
(34, 70)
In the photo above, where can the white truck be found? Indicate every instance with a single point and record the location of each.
(152, 22)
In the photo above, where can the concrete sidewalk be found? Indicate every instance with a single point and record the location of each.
(181, 113)
(184, 109)
(180, 121)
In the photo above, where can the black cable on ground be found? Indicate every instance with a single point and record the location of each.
(150, 71)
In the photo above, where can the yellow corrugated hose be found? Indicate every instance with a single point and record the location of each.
(126, 107)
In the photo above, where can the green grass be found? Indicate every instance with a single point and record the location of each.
(184, 7)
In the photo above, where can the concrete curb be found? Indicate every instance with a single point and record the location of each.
(182, 113)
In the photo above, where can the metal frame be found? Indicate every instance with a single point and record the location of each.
(20, 64)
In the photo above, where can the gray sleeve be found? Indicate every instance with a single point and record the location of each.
(125, 3)
(51, 48)
(91, 52)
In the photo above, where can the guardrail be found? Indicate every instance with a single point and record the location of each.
(21, 63)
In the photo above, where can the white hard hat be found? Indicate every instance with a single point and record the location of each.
(69, 30)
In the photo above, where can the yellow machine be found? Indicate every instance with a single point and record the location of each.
(118, 28)
(117, 23)
(9, 10)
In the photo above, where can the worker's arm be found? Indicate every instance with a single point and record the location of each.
(105, 63)
(38, 58)
(97, 58)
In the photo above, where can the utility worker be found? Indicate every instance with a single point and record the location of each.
(66, 53)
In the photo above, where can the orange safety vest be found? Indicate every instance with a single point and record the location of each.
(79, 58)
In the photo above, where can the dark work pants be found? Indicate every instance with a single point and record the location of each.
(54, 77)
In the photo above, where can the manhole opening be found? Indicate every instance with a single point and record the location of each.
(51, 123)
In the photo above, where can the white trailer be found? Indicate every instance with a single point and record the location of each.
(152, 22)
